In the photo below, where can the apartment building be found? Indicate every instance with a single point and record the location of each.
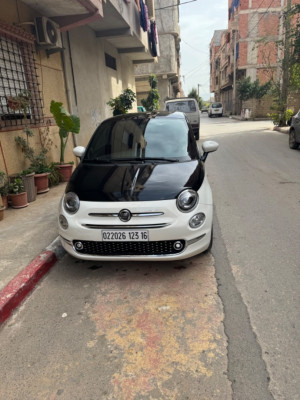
(79, 52)
(247, 49)
(167, 65)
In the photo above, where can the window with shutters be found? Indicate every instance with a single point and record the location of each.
(20, 97)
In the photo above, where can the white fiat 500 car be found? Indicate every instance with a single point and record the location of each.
(140, 192)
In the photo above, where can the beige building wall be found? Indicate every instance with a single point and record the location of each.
(78, 77)
(51, 80)
(90, 83)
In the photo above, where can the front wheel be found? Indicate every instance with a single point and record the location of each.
(292, 140)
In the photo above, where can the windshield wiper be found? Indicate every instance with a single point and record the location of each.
(129, 160)
(143, 159)
(98, 161)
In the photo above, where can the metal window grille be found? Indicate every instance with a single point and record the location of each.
(18, 75)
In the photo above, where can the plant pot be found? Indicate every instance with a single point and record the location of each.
(5, 201)
(29, 186)
(65, 171)
(42, 182)
(19, 200)
(1, 213)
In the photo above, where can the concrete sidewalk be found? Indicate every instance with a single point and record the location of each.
(29, 246)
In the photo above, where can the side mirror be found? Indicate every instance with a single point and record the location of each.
(79, 151)
(208, 147)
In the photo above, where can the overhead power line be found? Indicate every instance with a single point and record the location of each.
(186, 2)
(265, 12)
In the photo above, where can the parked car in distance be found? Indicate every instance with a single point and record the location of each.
(294, 133)
(204, 109)
(140, 192)
(215, 109)
(141, 109)
(190, 107)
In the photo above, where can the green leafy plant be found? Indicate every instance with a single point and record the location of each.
(194, 94)
(66, 123)
(281, 118)
(55, 176)
(252, 90)
(122, 103)
(38, 162)
(151, 103)
(16, 187)
(3, 184)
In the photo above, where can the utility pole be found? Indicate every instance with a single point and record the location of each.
(234, 73)
(286, 57)
(198, 89)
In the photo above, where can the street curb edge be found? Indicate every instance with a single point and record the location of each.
(20, 286)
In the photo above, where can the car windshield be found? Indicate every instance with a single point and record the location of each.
(136, 139)
(185, 106)
(216, 105)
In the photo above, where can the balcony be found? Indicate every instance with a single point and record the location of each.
(117, 22)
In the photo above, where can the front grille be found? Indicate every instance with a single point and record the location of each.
(128, 248)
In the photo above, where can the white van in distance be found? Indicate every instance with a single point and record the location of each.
(189, 106)
(215, 109)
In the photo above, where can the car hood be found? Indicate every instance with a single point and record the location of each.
(135, 182)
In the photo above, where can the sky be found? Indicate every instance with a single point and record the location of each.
(198, 20)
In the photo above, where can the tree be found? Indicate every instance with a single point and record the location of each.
(194, 94)
(152, 101)
(252, 90)
(289, 80)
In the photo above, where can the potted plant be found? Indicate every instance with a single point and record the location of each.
(17, 193)
(3, 189)
(38, 165)
(27, 177)
(67, 123)
(122, 103)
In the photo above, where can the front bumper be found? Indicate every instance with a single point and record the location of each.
(165, 224)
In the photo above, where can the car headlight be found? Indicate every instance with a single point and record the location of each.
(63, 222)
(187, 200)
(197, 220)
(71, 202)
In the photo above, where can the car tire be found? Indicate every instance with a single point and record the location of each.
(292, 140)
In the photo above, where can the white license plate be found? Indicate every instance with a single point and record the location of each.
(125, 236)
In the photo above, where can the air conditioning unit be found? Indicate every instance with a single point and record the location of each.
(47, 33)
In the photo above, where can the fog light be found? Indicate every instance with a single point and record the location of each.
(78, 246)
(178, 245)
(197, 220)
(63, 222)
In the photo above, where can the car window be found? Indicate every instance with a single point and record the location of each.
(142, 138)
(216, 105)
(185, 106)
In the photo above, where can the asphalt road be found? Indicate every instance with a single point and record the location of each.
(221, 326)
(255, 179)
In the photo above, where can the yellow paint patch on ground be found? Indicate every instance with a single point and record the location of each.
(164, 324)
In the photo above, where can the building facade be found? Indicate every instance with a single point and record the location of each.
(80, 53)
(248, 49)
(167, 65)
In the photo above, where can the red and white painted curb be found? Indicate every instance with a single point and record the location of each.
(20, 286)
